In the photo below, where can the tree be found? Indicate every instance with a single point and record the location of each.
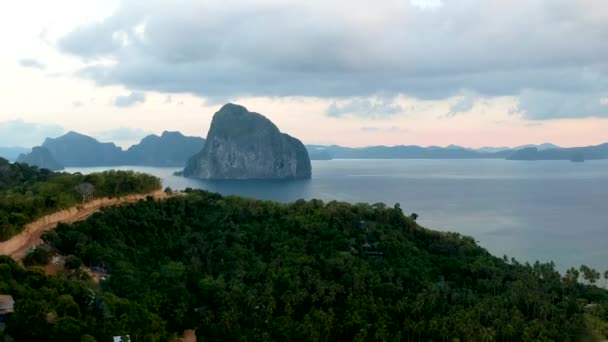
(87, 338)
(240, 268)
(66, 329)
(72, 262)
(85, 190)
(66, 306)
(572, 275)
(38, 256)
(414, 216)
(589, 274)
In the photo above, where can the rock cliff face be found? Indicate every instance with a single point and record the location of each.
(246, 145)
(41, 157)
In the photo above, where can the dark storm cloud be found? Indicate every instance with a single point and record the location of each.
(31, 63)
(227, 49)
(129, 100)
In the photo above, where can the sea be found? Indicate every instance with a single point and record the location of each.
(530, 210)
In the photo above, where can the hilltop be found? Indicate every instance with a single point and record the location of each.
(233, 269)
(28, 193)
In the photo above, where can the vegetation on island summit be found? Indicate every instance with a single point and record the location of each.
(249, 270)
(28, 193)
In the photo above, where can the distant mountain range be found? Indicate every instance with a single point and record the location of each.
(577, 154)
(540, 147)
(526, 152)
(405, 152)
(75, 149)
(174, 149)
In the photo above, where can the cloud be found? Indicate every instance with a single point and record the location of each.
(464, 104)
(373, 108)
(426, 4)
(77, 104)
(541, 105)
(27, 134)
(32, 63)
(168, 99)
(424, 49)
(374, 129)
(130, 100)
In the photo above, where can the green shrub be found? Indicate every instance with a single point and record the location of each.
(87, 338)
(72, 262)
(38, 256)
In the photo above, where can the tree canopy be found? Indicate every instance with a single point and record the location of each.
(27, 193)
(242, 269)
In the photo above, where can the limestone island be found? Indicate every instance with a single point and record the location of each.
(246, 145)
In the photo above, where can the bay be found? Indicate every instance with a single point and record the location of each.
(541, 210)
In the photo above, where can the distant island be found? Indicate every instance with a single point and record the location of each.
(168, 149)
(316, 154)
(405, 152)
(175, 149)
(78, 150)
(576, 154)
(247, 145)
(526, 152)
(41, 157)
(577, 157)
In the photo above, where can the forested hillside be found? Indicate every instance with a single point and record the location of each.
(247, 270)
(27, 193)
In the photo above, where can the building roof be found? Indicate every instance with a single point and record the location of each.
(6, 304)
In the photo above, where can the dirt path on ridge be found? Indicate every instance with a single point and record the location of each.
(18, 245)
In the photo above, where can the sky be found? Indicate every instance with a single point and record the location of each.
(349, 72)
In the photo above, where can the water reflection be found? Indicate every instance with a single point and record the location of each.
(282, 191)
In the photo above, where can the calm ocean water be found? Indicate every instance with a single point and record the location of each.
(542, 210)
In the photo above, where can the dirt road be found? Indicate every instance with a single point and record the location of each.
(18, 245)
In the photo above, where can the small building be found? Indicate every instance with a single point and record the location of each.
(363, 226)
(7, 304)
